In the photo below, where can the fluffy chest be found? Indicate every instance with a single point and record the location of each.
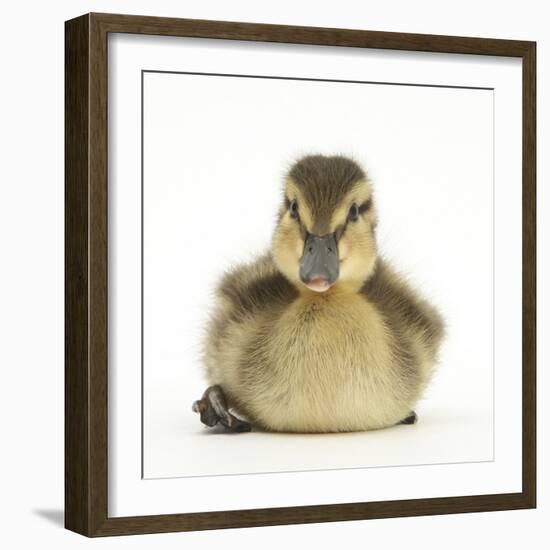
(330, 337)
(331, 368)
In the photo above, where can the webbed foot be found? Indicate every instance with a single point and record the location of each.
(213, 408)
(411, 419)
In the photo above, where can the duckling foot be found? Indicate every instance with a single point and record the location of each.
(411, 419)
(213, 409)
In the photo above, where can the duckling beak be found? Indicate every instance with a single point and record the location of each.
(320, 266)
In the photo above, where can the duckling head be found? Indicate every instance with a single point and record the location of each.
(325, 232)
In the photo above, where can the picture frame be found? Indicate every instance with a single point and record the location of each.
(87, 289)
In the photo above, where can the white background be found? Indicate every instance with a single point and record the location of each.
(32, 298)
(215, 152)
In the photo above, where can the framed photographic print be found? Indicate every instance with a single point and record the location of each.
(300, 274)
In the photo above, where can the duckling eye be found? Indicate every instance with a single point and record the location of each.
(353, 215)
(293, 208)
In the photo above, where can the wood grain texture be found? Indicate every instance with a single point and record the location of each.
(166, 26)
(77, 459)
(86, 274)
(529, 275)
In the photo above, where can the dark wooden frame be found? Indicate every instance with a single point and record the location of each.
(86, 285)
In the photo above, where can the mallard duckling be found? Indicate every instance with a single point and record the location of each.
(319, 334)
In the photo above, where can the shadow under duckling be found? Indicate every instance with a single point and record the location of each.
(319, 335)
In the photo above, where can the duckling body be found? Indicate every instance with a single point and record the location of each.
(351, 358)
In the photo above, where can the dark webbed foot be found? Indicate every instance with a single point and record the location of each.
(411, 419)
(213, 409)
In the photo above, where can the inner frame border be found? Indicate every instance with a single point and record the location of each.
(142, 284)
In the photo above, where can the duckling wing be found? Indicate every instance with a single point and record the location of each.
(403, 309)
(255, 287)
(248, 298)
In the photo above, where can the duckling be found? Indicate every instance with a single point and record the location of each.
(319, 334)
